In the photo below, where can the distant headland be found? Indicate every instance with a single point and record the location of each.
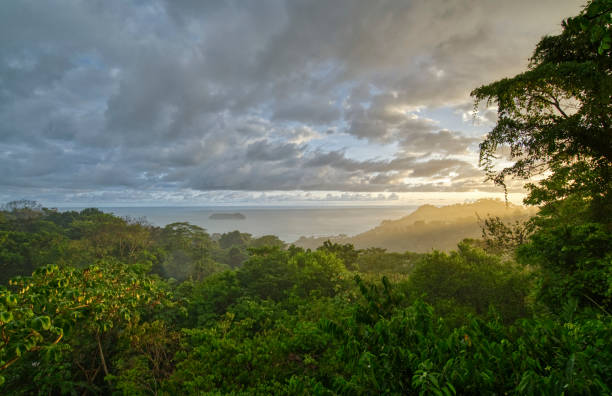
(227, 216)
(429, 227)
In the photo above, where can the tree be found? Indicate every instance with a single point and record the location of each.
(22, 205)
(272, 273)
(556, 116)
(23, 212)
(470, 281)
(188, 250)
(346, 253)
(236, 256)
(556, 119)
(65, 320)
(503, 238)
(267, 240)
(234, 238)
(377, 260)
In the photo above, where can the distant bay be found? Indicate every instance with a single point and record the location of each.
(288, 223)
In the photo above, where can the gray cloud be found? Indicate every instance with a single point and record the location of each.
(307, 110)
(173, 96)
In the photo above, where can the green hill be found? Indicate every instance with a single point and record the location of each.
(430, 227)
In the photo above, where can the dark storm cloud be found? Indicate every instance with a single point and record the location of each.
(187, 95)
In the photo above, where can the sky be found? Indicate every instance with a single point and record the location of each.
(189, 102)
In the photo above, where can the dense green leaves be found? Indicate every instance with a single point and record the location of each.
(471, 281)
(555, 118)
(242, 315)
(57, 305)
(409, 350)
(294, 322)
(576, 262)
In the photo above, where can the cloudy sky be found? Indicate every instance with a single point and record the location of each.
(194, 102)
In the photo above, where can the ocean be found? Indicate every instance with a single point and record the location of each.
(288, 223)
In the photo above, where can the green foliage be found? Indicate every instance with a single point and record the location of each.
(575, 261)
(277, 273)
(242, 354)
(72, 306)
(267, 240)
(376, 260)
(555, 118)
(346, 253)
(145, 357)
(187, 252)
(503, 238)
(234, 239)
(22, 252)
(30, 238)
(99, 235)
(236, 256)
(471, 281)
(387, 350)
(269, 274)
(290, 322)
(91, 319)
(212, 297)
(77, 239)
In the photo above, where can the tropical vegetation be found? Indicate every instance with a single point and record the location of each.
(91, 303)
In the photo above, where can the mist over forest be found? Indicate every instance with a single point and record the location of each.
(220, 104)
(430, 228)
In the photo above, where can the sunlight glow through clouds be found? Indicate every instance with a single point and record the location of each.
(125, 101)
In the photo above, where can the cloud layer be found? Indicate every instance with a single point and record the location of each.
(158, 97)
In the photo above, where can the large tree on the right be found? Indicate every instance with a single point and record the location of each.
(556, 120)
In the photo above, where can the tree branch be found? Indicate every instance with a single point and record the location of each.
(558, 106)
(102, 360)
(13, 360)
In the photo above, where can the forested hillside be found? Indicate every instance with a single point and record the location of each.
(430, 227)
(95, 304)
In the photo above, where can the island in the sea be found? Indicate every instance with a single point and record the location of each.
(227, 216)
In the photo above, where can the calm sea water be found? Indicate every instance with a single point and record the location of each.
(286, 223)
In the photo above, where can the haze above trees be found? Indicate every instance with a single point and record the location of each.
(430, 227)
